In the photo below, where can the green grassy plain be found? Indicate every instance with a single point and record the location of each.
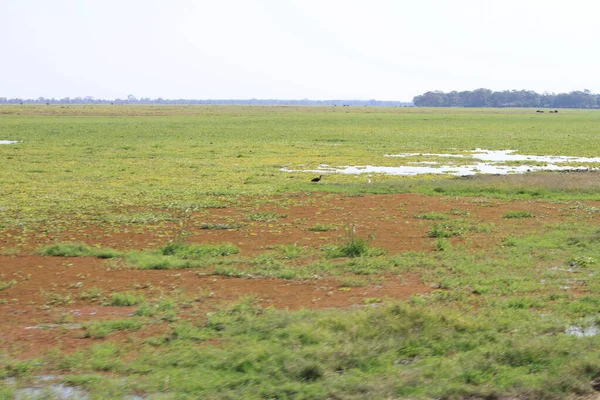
(493, 328)
(105, 156)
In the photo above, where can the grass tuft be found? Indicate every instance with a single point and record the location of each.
(220, 226)
(322, 228)
(432, 216)
(98, 330)
(185, 251)
(518, 214)
(78, 250)
(125, 299)
(352, 246)
(7, 284)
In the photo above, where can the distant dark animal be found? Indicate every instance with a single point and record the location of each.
(555, 111)
(539, 111)
(316, 179)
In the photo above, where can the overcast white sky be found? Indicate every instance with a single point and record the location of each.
(294, 49)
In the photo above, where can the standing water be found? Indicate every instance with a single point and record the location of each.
(478, 161)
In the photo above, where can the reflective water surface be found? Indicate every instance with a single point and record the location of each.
(580, 331)
(478, 161)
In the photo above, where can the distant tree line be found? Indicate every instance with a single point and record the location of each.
(146, 100)
(508, 98)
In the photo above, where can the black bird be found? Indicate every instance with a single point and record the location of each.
(316, 179)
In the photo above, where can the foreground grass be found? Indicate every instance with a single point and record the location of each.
(395, 350)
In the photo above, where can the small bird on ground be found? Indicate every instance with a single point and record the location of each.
(316, 179)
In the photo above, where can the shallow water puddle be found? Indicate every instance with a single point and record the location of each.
(504, 156)
(46, 387)
(58, 391)
(491, 163)
(580, 331)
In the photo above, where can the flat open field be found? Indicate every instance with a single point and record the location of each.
(183, 252)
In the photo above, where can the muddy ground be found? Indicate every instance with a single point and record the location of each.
(44, 308)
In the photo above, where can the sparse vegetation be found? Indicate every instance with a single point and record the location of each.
(175, 254)
(518, 214)
(7, 284)
(125, 299)
(194, 252)
(445, 230)
(77, 250)
(442, 245)
(57, 299)
(97, 330)
(432, 216)
(351, 245)
(220, 226)
(267, 216)
(92, 294)
(322, 228)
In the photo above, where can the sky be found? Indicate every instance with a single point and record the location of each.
(295, 49)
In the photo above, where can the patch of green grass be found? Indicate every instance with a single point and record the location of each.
(67, 250)
(351, 245)
(161, 307)
(179, 255)
(270, 264)
(78, 250)
(445, 230)
(17, 368)
(322, 228)
(290, 251)
(125, 299)
(7, 284)
(464, 213)
(352, 281)
(267, 216)
(155, 260)
(57, 299)
(518, 214)
(220, 226)
(9, 251)
(585, 241)
(393, 350)
(7, 392)
(92, 294)
(482, 228)
(432, 216)
(364, 266)
(372, 300)
(144, 218)
(582, 262)
(193, 252)
(442, 245)
(101, 329)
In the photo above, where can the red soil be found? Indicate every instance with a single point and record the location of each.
(34, 310)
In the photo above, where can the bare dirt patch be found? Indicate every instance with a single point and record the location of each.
(46, 306)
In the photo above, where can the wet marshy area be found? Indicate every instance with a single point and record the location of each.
(478, 161)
